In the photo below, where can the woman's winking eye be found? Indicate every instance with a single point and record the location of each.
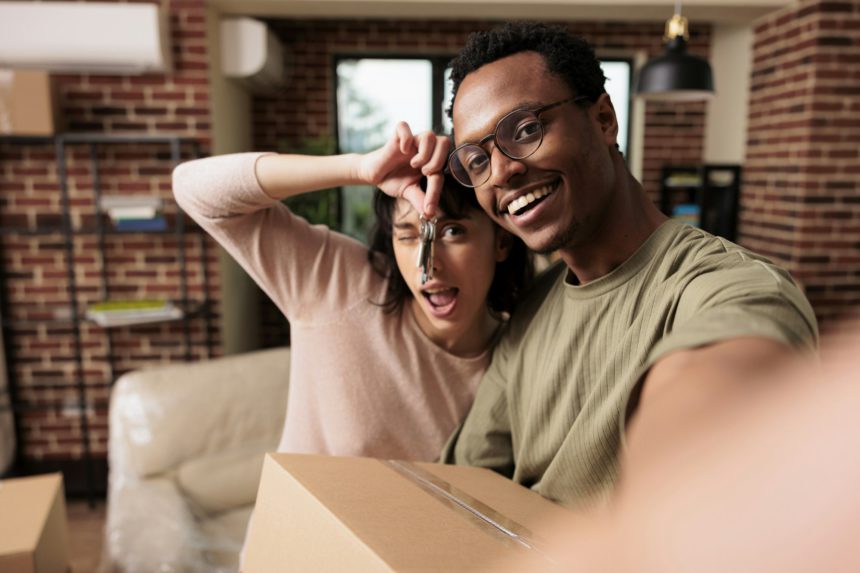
(406, 237)
(405, 232)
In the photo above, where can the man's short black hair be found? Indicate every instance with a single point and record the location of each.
(569, 57)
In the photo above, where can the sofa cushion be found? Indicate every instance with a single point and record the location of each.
(162, 416)
(223, 481)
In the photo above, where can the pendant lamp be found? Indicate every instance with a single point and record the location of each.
(676, 75)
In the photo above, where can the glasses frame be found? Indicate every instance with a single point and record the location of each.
(492, 137)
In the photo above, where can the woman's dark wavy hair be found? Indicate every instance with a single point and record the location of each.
(512, 275)
(569, 57)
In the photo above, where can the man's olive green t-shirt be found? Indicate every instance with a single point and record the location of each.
(550, 410)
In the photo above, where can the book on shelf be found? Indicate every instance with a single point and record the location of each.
(128, 312)
(143, 212)
(107, 203)
(681, 179)
(157, 223)
(134, 212)
(689, 213)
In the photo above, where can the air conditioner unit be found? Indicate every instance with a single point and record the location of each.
(252, 54)
(94, 37)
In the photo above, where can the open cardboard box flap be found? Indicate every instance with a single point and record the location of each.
(319, 513)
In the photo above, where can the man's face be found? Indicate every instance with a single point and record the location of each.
(558, 196)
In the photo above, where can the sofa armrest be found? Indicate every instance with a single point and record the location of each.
(162, 416)
(150, 528)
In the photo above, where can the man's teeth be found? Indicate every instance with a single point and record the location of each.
(528, 199)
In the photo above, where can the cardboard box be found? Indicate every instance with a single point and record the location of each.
(33, 527)
(28, 103)
(318, 514)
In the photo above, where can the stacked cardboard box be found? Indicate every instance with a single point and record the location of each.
(33, 527)
(28, 105)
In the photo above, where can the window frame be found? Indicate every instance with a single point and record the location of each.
(438, 64)
(629, 60)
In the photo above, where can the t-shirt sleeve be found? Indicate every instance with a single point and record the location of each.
(755, 299)
(309, 271)
(484, 438)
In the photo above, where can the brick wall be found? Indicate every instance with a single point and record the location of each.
(800, 198)
(674, 133)
(800, 202)
(36, 296)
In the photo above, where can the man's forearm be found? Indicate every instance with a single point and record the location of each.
(767, 483)
(695, 391)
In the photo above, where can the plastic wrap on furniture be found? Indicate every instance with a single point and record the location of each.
(185, 452)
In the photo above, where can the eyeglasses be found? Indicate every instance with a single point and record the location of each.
(517, 135)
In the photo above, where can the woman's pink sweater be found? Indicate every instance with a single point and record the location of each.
(362, 382)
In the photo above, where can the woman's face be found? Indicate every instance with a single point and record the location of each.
(451, 307)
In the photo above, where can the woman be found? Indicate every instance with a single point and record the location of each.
(382, 365)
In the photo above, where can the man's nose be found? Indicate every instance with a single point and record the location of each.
(502, 167)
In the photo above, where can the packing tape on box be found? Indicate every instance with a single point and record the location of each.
(480, 514)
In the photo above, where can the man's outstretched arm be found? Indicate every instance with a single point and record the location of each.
(688, 388)
(765, 481)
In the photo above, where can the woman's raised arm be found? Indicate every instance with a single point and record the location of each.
(396, 168)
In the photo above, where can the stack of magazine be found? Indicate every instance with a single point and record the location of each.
(134, 212)
(129, 312)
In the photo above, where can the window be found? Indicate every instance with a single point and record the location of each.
(371, 99)
(618, 74)
(373, 94)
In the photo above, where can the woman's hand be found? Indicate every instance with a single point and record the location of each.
(397, 167)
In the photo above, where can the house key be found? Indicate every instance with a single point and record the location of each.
(427, 235)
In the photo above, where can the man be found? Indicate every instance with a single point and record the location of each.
(647, 329)
(742, 491)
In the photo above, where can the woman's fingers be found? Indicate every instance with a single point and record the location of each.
(437, 160)
(432, 153)
(432, 168)
(435, 181)
(415, 196)
(380, 165)
(405, 138)
(428, 152)
(426, 146)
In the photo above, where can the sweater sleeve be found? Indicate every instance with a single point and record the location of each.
(311, 273)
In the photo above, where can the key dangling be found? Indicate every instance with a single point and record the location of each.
(427, 235)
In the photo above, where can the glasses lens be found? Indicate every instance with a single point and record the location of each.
(470, 165)
(519, 134)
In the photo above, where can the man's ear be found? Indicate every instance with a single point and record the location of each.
(504, 244)
(604, 113)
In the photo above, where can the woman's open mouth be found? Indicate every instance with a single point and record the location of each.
(441, 300)
(530, 200)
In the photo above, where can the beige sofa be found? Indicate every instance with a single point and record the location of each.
(185, 453)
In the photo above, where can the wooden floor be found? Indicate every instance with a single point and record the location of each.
(86, 532)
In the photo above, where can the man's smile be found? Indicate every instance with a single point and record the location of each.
(529, 200)
(520, 202)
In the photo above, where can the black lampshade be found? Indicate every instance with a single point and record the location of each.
(676, 75)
